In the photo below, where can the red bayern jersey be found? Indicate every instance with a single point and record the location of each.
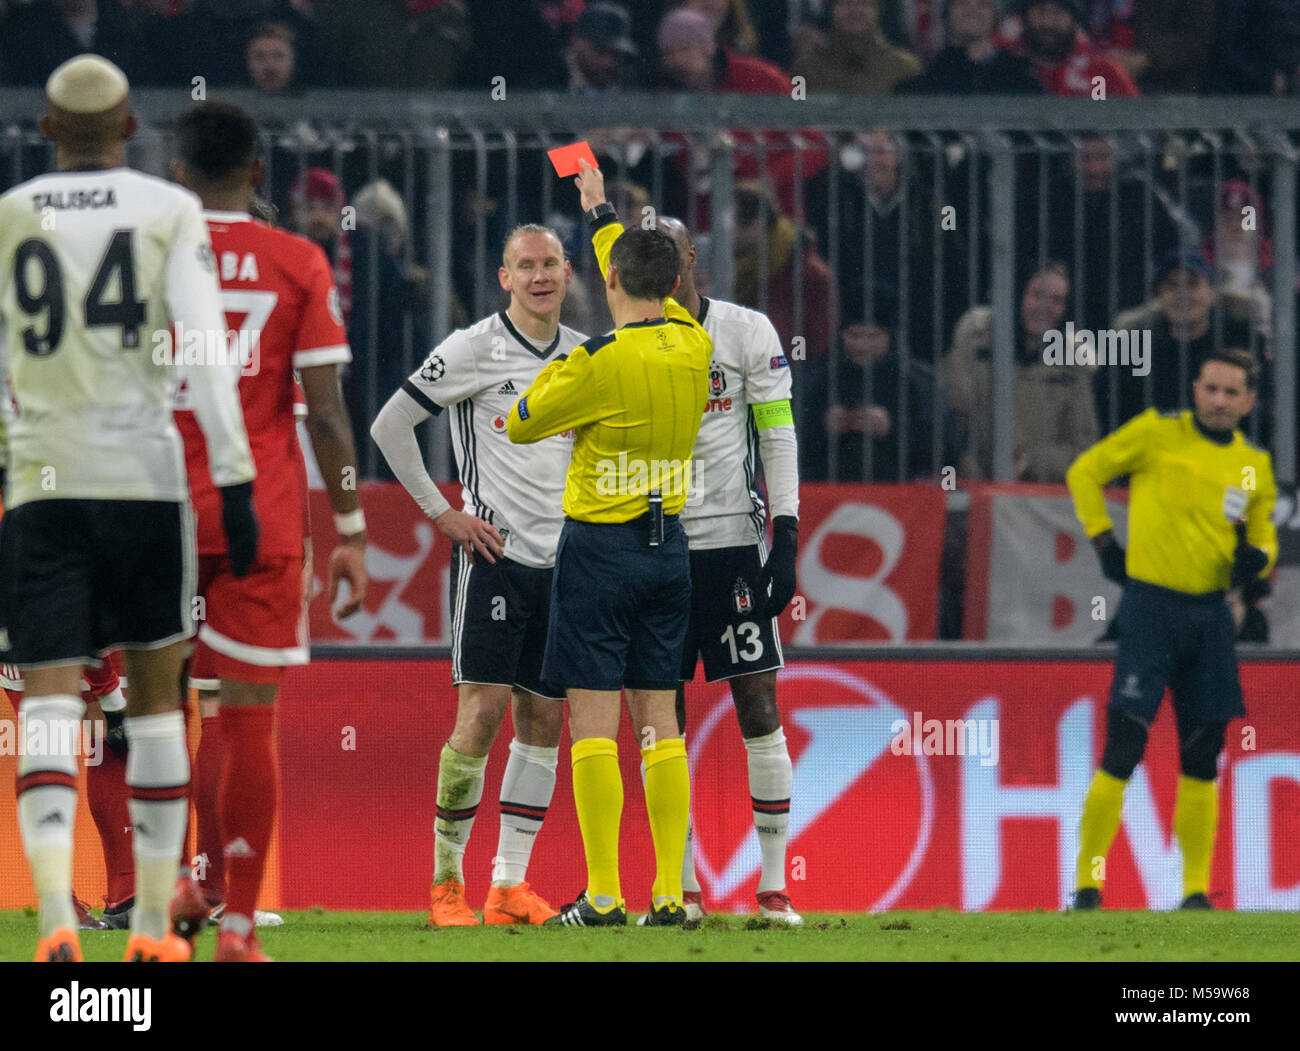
(279, 297)
(1071, 76)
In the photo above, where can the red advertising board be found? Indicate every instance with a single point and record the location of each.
(994, 828)
(989, 822)
(868, 567)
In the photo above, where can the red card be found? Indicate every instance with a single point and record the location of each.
(565, 158)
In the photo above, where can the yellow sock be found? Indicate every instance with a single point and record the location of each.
(668, 805)
(598, 797)
(1196, 817)
(1097, 828)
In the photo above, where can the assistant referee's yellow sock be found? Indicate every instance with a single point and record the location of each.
(1097, 828)
(1196, 818)
(598, 797)
(668, 805)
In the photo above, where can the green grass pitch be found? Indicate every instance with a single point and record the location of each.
(888, 937)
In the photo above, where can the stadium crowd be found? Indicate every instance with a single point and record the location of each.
(897, 369)
(860, 46)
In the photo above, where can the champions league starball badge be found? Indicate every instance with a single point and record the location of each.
(742, 598)
(433, 369)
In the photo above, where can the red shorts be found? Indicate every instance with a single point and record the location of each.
(251, 629)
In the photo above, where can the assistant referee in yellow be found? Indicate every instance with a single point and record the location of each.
(1200, 523)
(621, 594)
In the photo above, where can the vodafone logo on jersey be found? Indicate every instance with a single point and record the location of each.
(838, 728)
(499, 424)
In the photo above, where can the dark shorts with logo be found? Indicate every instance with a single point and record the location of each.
(724, 629)
(619, 607)
(81, 577)
(499, 614)
(1185, 642)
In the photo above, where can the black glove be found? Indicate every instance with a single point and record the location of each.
(778, 570)
(240, 523)
(1112, 557)
(1248, 562)
(115, 732)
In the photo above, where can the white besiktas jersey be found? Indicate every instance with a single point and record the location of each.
(479, 373)
(94, 268)
(748, 368)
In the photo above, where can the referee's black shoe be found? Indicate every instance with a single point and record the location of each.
(1086, 899)
(582, 913)
(670, 914)
(1196, 901)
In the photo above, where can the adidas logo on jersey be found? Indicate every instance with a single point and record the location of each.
(508, 388)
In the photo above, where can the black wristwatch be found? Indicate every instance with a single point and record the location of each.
(600, 215)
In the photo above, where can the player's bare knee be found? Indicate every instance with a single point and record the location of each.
(478, 718)
(680, 705)
(755, 699)
(247, 693)
(539, 721)
(653, 713)
(45, 682)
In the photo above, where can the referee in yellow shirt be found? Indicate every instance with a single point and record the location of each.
(1200, 522)
(621, 594)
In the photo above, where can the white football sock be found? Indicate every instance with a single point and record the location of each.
(526, 790)
(460, 787)
(770, 774)
(158, 774)
(113, 701)
(51, 740)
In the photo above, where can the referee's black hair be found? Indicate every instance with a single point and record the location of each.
(647, 263)
(1238, 356)
(215, 140)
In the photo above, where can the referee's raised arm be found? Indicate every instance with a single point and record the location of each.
(621, 595)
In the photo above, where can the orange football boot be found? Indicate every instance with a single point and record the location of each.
(60, 947)
(447, 905)
(140, 948)
(231, 948)
(517, 904)
(189, 909)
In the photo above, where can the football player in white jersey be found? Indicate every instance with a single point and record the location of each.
(97, 544)
(733, 616)
(501, 569)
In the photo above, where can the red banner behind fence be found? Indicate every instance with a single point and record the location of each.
(868, 567)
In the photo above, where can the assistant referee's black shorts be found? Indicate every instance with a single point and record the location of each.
(81, 577)
(619, 608)
(1184, 642)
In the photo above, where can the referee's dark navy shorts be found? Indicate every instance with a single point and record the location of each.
(619, 608)
(1168, 638)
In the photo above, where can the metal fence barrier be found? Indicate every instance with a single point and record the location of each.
(867, 229)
